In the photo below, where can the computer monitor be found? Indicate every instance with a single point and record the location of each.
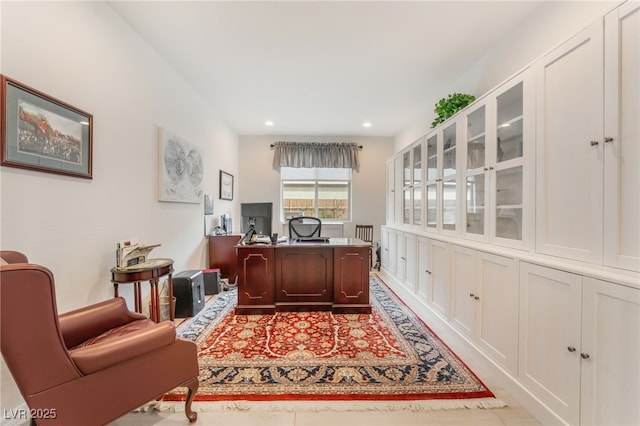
(259, 214)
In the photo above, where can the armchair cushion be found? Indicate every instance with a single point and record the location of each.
(122, 343)
(86, 323)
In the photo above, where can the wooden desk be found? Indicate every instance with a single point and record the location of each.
(304, 276)
(151, 271)
(222, 255)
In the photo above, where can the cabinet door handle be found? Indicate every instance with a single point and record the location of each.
(403, 258)
(608, 139)
(476, 297)
(571, 349)
(594, 143)
(584, 356)
(428, 271)
(471, 294)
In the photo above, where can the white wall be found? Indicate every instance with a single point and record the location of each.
(82, 53)
(550, 25)
(262, 184)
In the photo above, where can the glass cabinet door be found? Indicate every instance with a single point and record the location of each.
(417, 184)
(407, 171)
(475, 204)
(449, 151)
(406, 206)
(474, 172)
(417, 205)
(417, 165)
(449, 169)
(432, 158)
(508, 212)
(509, 164)
(432, 206)
(509, 108)
(433, 174)
(476, 139)
(449, 205)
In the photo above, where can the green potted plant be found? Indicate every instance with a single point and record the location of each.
(446, 107)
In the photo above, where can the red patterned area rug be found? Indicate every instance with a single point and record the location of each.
(388, 355)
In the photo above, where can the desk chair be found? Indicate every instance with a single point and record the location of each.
(304, 227)
(365, 233)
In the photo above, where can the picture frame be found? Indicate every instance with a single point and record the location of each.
(226, 186)
(42, 133)
(208, 204)
(180, 169)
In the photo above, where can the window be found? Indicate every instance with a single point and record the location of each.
(319, 192)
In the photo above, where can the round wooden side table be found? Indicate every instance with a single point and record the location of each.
(151, 270)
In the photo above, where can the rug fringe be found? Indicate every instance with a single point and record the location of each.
(289, 406)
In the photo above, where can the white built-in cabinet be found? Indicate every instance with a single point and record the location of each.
(388, 251)
(579, 346)
(397, 192)
(472, 175)
(391, 189)
(485, 303)
(432, 163)
(496, 170)
(588, 154)
(517, 222)
(442, 189)
(405, 187)
(439, 273)
(406, 259)
(622, 125)
(423, 272)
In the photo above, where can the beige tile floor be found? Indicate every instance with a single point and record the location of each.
(512, 415)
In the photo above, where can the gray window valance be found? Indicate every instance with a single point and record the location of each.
(312, 154)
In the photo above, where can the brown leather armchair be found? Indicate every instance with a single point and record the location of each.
(91, 365)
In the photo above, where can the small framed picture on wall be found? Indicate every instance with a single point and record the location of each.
(208, 204)
(226, 186)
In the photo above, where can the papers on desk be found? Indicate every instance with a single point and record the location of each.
(130, 253)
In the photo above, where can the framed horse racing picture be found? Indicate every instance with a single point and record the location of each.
(44, 134)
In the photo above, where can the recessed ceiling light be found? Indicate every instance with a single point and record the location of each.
(268, 123)
(366, 124)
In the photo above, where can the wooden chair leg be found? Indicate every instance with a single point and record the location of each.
(193, 388)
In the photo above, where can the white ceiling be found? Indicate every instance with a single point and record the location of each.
(323, 67)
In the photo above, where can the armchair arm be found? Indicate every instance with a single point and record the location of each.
(84, 323)
(11, 256)
(99, 356)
